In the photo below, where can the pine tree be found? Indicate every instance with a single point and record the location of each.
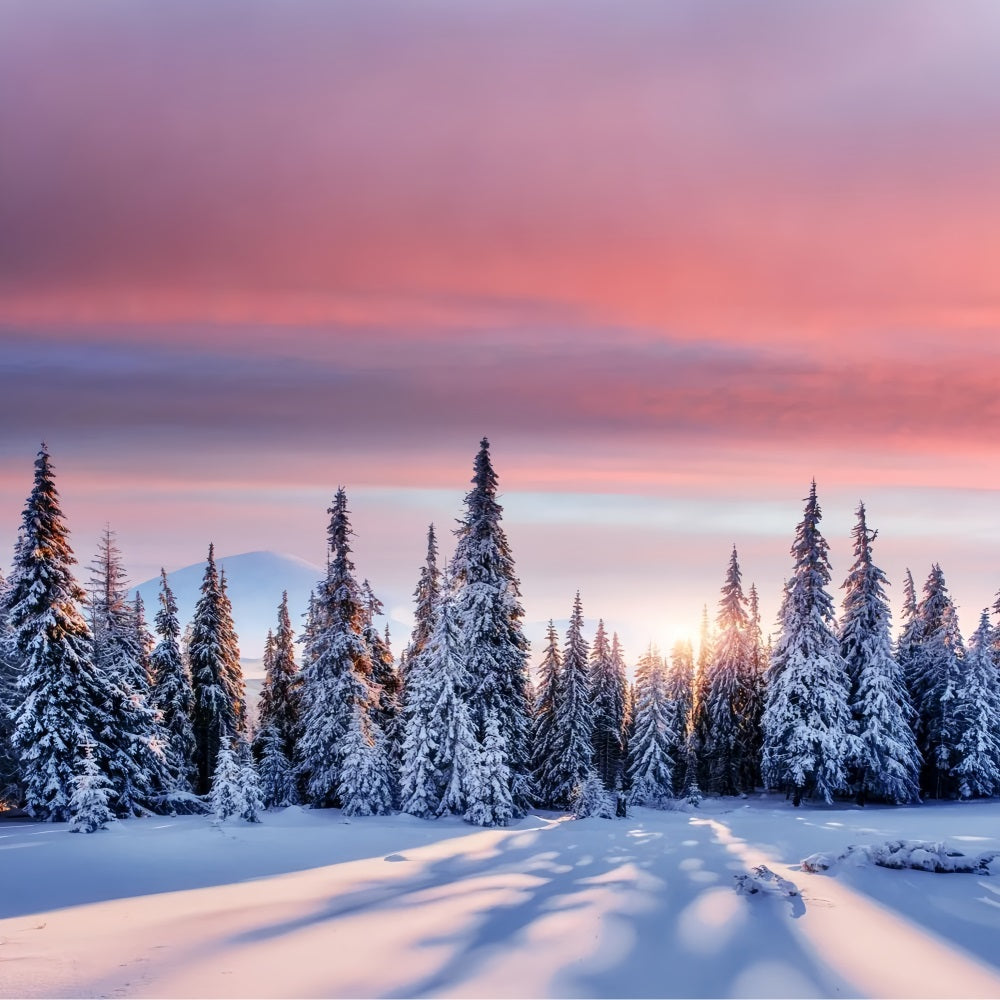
(280, 699)
(573, 734)
(232, 670)
(679, 681)
(61, 699)
(136, 766)
(592, 798)
(489, 798)
(651, 770)
(730, 747)
(385, 678)
(451, 721)
(277, 777)
(89, 806)
(935, 682)
(807, 719)
(337, 684)
(10, 779)
(365, 778)
(543, 729)
(698, 731)
(909, 634)
(608, 679)
(885, 760)
(215, 718)
(253, 798)
(425, 597)
(420, 783)
(228, 796)
(171, 694)
(490, 613)
(977, 711)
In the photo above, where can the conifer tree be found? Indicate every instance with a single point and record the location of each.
(909, 633)
(651, 777)
(489, 801)
(609, 683)
(338, 692)
(280, 701)
(807, 719)
(385, 678)
(171, 694)
(277, 776)
(143, 638)
(61, 703)
(678, 681)
(232, 670)
(698, 731)
(885, 760)
(365, 787)
(490, 613)
(215, 718)
(977, 711)
(228, 794)
(592, 798)
(136, 767)
(10, 791)
(543, 728)
(573, 733)
(425, 597)
(89, 806)
(935, 681)
(730, 750)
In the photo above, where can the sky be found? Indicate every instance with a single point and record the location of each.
(674, 259)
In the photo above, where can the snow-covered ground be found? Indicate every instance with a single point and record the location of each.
(311, 904)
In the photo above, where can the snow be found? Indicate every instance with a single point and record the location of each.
(308, 903)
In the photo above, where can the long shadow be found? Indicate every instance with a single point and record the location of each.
(655, 893)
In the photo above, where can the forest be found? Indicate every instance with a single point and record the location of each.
(103, 715)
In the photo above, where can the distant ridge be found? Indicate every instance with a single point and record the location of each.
(255, 581)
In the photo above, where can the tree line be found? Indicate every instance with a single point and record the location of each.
(99, 717)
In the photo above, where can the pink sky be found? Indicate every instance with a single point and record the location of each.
(674, 259)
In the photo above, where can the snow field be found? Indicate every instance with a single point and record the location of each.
(308, 904)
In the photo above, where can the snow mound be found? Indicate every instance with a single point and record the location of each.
(919, 855)
(762, 879)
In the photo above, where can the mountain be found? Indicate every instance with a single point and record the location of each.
(254, 581)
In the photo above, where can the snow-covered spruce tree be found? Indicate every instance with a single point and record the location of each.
(698, 722)
(453, 750)
(977, 711)
(385, 676)
(228, 796)
(425, 598)
(608, 687)
(679, 679)
(490, 613)
(337, 675)
(143, 637)
(277, 776)
(935, 681)
(90, 805)
(62, 701)
(488, 796)
(365, 787)
(909, 633)
(10, 790)
(543, 719)
(650, 768)
(420, 782)
(215, 718)
(573, 732)
(731, 745)
(136, 767)
(253, 798)
(807, 720)
(280, 701)
(171, 694)
(885, 762)
(592, 798)
(232, 669)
